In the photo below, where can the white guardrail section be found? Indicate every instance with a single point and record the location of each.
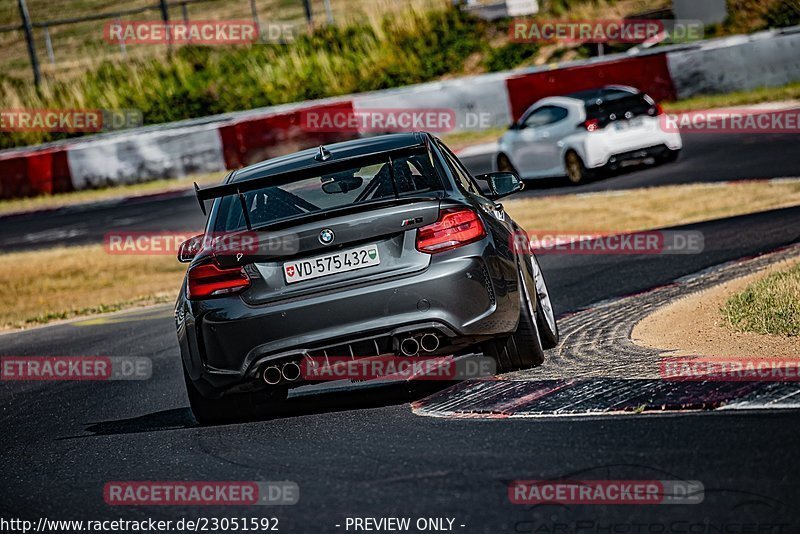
(738, 63)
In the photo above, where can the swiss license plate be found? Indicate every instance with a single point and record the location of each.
(338, 262)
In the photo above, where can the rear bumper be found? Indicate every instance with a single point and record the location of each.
(602, 148)
(465, 293)
(637, 156)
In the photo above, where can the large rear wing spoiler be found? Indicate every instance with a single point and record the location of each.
(327, 167)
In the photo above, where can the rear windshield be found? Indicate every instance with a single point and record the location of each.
(413, 174)
(617, 105)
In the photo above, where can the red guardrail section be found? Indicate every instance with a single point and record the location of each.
(647, 73)
(35, 173)
(249, 141)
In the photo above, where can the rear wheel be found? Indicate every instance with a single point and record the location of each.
(226, 409)
(670, 156)
(504, 164)
(523, 349)
(576, 170)
(545, 316)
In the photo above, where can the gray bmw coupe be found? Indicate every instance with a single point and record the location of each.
(378, 246)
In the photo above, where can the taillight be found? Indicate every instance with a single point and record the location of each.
(455, 228)
(211, 280)
(591, 125)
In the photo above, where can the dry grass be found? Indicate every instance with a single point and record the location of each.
(460, 140)
(599, 9)
(96, 195)
(642, 209)
(43, 286)
(693, 325)
(80, 46)
(785, 93)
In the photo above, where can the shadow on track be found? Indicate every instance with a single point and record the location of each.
(308, 404)
(601, 181)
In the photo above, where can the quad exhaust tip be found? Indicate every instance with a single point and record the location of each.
(272, 375)
(409, 346)
(429, 342)
(290, 371)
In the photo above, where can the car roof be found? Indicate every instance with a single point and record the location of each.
(551, 100)
(605, 93)
(346, 149)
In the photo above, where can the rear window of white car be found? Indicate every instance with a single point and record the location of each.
(617, 105)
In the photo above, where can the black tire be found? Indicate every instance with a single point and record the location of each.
(230, 408)
(522, 349)
(671, 156)
(545, 314)
(504, 164)
(577, 173)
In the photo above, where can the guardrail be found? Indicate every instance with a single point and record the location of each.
(232, 140)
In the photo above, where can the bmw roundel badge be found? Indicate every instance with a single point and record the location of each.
(326, 236)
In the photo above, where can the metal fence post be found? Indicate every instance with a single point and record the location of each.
(185, 13)
(329, 11)
(26, 24)
(254, 11)
(309, 14)
(162, 4)
(48, 43)
(122, 46)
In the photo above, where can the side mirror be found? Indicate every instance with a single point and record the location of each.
(189, 248)
(502, 184)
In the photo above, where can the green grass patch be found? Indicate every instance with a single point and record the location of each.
(373, 48)
(391, 51)
(768, 306)
(739, 98)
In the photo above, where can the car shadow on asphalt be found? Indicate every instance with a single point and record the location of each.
(310, 404)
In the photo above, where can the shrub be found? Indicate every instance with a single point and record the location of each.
(197, 81)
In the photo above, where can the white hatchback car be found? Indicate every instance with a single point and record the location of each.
(579, 134)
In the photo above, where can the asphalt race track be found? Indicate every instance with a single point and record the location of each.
(706, 158)
(366, 454)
